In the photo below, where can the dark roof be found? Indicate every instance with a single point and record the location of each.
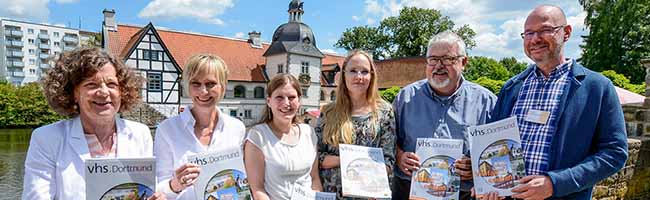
(295, 4)
(294, 37)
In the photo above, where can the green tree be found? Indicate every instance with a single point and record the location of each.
(492, 85)
(24, 106)
(623, 82)
(389, 94)
(404, 35)
(479, 66)
(514, 67)
(619, 36)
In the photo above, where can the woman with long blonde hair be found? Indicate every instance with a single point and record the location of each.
(358, 116)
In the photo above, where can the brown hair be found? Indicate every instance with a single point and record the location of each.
(202, 64)
(276, 82)
(73, 67)
(337, 121)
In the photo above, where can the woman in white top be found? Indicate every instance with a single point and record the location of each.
(199, 128)
(280, 153)
(90, 86)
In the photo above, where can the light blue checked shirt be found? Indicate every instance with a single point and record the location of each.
(544, 94)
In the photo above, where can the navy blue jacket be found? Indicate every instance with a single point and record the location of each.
(590, 143)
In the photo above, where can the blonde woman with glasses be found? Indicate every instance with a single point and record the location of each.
(358, 116)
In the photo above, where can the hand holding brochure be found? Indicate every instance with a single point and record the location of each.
(363, 172)
(302, 193)
(222, 175)
(120, 178)
(497, 160)
(436, 178)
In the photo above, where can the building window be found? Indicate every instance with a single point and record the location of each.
(333, 96)
(280, 68)
(57, 44)
(43, 31)
(32, 61)
(240, 91)
(30, 41)
(304, 68)
(30, 31)
(304, 92)
(32, 71)
(56, 34)
(259, 93)
(248, 114)
(150, 55)
(31, 51)
(322, 95)
(155, 82)
(233, 113)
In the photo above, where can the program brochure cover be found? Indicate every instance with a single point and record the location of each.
(302, 193)
(222, 175)
(363, 172)
(120, 178)
(436, 178)
(497, 159)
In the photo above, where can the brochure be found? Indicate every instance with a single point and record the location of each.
(497, 159)
(436, 178)
(120, 178)
(222, 175)
(363, 172)
(302, 193)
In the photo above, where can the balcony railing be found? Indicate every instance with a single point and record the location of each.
(44, 46)
(70, 40)
(45, 65)
(15, 64)
(14, 53)
(18, 74)
(69, 48)
(15, 33)
(44, 56)
(43, 36)
(15, 43)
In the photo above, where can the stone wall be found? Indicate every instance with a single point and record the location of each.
(145, 114)
(619, 185)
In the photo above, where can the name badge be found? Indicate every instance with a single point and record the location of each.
(537, 116)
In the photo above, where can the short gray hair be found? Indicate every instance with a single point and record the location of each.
(448, 37)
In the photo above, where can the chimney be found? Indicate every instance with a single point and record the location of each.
(646, 63)
(109, 20)
(254, 39)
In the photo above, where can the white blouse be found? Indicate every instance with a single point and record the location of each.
(285, 165)
(175, 140)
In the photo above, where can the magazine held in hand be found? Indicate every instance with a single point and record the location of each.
(222, 175)
(436, 178)
(302, 193)
(363, 172)
(120, 178)
(497, 159)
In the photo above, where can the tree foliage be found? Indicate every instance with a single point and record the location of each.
(514, 67)
(623, 82)
(619, 36)
(24, 106)
(479, 66)
(404, 35)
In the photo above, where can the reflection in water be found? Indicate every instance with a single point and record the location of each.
(13, 148)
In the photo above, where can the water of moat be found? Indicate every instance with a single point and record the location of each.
(13, 148)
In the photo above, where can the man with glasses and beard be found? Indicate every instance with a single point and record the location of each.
(570, 119)
(441, 106)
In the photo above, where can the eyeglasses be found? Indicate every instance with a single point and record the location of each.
(545, 32)
(353, 73)
(445, 60)
(207, 85)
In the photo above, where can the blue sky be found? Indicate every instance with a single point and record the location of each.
(497, 22)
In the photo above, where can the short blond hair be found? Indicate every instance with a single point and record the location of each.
(206, 64)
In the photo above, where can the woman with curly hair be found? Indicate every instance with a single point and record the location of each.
(90, 87)
(358, 116)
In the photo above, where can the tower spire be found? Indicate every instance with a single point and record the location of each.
(295, 11)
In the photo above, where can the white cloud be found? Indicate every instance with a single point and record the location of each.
(239, 35)
(25, 9)
(356, 18)
(206, 11)
(329, 51)
(371, 21)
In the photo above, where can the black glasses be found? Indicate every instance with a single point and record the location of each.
(545, 32)
(445, 60)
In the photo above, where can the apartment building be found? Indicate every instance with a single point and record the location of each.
(27, 49)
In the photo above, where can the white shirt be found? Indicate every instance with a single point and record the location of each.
(175, 140)
(285, 164)
(54, 166)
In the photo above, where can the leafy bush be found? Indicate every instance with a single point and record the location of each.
(623, 82)
(492, 85)
(24, 106)
(389, 94)
(479, 66)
